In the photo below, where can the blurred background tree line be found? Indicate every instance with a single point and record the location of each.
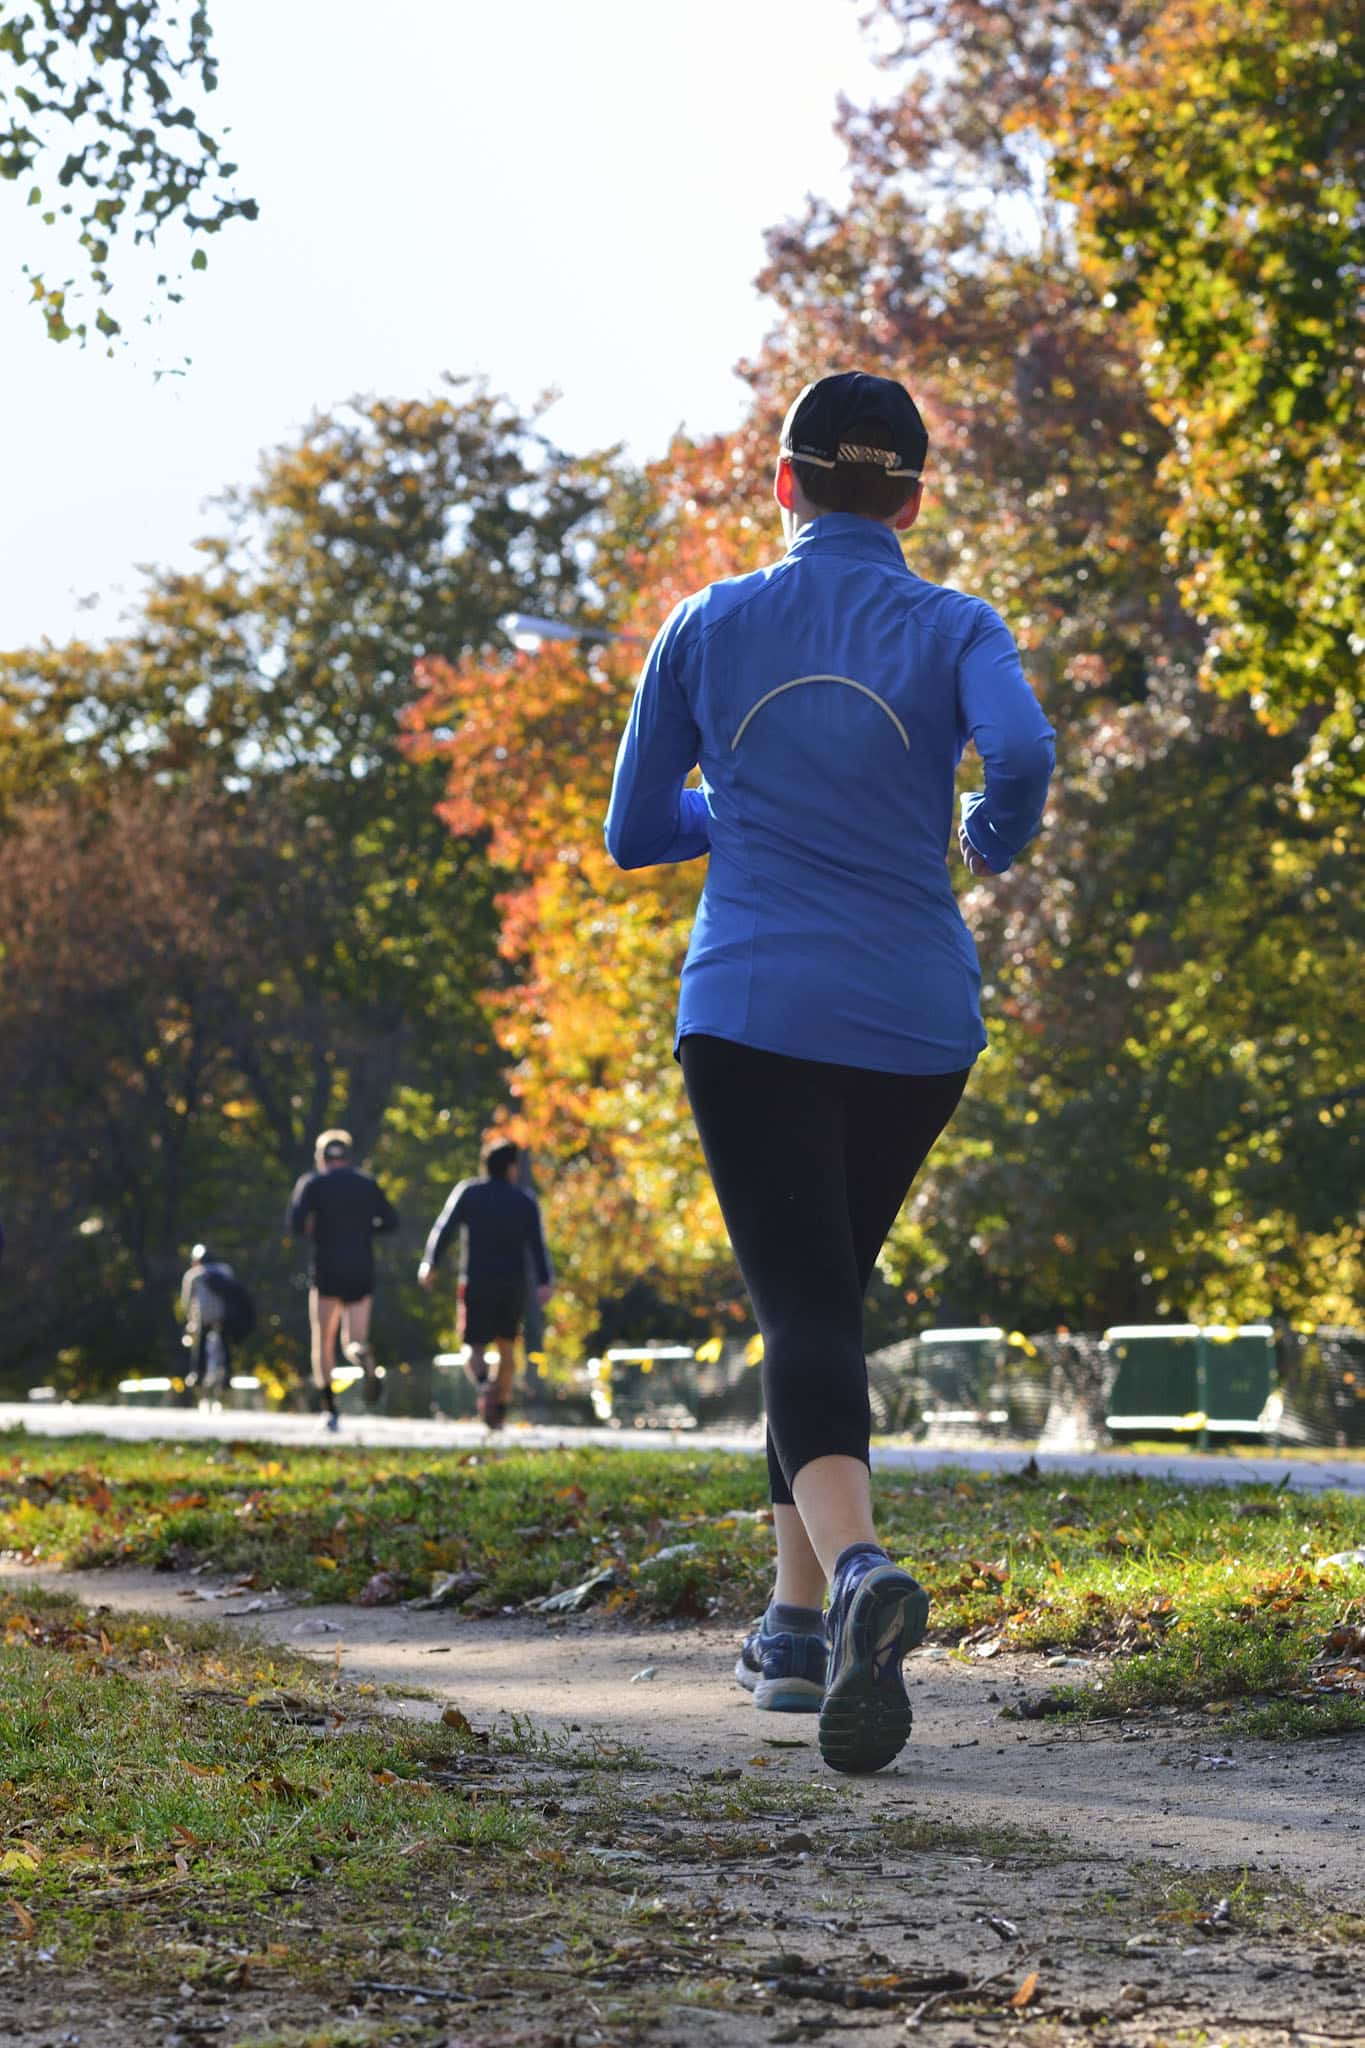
(254, 879)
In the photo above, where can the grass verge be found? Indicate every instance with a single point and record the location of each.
(1199, 1594)
(184, 1807)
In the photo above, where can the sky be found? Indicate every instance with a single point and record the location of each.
(565, 194)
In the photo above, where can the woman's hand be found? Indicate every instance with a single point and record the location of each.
(975, 864)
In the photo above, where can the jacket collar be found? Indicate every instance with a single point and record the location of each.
(844, 533)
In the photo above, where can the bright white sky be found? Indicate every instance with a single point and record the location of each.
(550, 192)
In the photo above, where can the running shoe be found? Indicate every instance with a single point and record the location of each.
(492, 1411)
(785, 1673)
(333, 1423)
(876, 1613)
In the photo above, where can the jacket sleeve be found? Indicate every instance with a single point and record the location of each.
(445, 1226)
(999, 713)
(651, 817)
(300, 1204)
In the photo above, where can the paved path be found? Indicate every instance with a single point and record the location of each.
(1315, 1472)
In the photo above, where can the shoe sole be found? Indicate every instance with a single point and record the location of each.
(780, 1695)
(866, 1719)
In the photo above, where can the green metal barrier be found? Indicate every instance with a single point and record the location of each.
(963, 1374)
(1193, 1380)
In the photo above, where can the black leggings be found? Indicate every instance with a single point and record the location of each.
(811, 1163)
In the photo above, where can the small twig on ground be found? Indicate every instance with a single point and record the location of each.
(855, 1996)
(922, 2011)
(416, 1991)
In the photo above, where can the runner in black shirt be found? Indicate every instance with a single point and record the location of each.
(501, 1225)
(342, 1210)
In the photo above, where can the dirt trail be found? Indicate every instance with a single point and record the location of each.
(1148, 1791)
(1070, 1880)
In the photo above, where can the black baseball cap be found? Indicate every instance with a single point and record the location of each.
(817, 426)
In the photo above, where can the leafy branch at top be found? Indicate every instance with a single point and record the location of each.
(137, 156)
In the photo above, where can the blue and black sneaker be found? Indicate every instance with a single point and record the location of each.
(785, 1673)
(876, 1613)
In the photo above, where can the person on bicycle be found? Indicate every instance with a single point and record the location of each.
(829, 1014)
(341, 1211)
(206, 1311)
(501, 1230)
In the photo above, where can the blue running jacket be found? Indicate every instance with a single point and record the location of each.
(828, 700)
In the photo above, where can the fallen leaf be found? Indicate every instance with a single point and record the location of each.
(28, 1926)
(1026, 1993)
(380, 1590)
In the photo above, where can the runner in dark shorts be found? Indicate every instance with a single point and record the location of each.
(502, 1233)
(342, 1210)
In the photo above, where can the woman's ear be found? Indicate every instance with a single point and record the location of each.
(909, 512)
(782, 484)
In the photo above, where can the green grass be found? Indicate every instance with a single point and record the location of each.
(134, 1759)
(177, 1805)
(1199, 1593)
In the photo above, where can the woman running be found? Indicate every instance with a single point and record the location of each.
(829, 1013)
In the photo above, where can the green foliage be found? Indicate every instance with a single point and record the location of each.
(280, 932)
(1164, 1123)
(104, 83)
(1166, 1120)
(1217, 171)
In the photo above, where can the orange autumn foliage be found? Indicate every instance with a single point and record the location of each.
(586, 1009)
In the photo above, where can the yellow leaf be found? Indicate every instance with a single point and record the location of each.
(18, 1859)
(329, 1564)
(1026, 1993)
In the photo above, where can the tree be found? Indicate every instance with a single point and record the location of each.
(142, 982)
(1167, 1122)
(105, 82)
(1216, 169)
(389, 531)
(527, 746)
(274, 680)
(1162, 1121)
(956, 263)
